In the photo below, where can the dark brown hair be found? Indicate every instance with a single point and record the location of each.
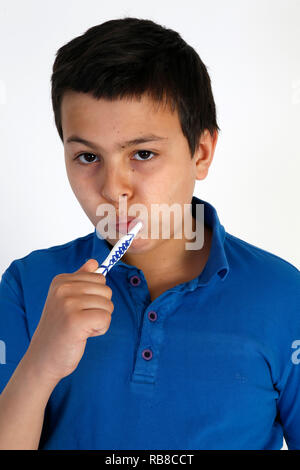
(127, 57)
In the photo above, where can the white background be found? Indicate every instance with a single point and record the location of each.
(252, 51)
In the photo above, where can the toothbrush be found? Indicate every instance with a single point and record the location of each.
(119, 249)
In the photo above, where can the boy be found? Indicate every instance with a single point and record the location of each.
(174, 348)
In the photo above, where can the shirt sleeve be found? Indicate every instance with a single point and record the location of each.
(289, 402)
(14, 336)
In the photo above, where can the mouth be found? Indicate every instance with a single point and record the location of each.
(124, 227)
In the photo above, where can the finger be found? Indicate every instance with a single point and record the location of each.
(90, 301)
(79, 287)
(86, 276)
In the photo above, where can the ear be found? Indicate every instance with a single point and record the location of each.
(204, 153)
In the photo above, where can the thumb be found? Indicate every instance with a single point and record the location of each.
(89, 266)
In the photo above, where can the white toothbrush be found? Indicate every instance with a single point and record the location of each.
(119, 249)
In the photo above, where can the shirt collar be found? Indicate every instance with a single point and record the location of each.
(217, 262)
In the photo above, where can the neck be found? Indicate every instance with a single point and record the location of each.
(169, 257)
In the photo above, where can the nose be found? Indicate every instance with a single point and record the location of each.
(116, 182)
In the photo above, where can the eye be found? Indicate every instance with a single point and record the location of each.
(145, 151)
(89, 156)
(83, 154)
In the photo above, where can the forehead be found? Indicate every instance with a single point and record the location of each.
(81, 112)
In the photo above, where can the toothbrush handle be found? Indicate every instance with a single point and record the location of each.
(119, 250)
(116, 253)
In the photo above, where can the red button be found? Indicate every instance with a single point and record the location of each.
(147, 354)
(135, 281)
(152, 315)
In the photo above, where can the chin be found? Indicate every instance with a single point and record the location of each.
(138, 245)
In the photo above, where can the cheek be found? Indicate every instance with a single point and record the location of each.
(80, 181)
(72, 176)
(75, 183)
(81, 187)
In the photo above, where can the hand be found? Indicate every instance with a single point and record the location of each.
(78, 306)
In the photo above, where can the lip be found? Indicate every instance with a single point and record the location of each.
(124, 221)
(123, 227)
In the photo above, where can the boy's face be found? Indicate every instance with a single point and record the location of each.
(103, 173)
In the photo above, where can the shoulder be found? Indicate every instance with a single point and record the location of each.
(44, 264)
(251, 259)
(264, 290)
(29, 277)
(267, 283)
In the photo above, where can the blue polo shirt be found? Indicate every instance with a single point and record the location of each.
(212, 363)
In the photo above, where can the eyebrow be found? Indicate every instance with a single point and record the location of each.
(120, 145)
